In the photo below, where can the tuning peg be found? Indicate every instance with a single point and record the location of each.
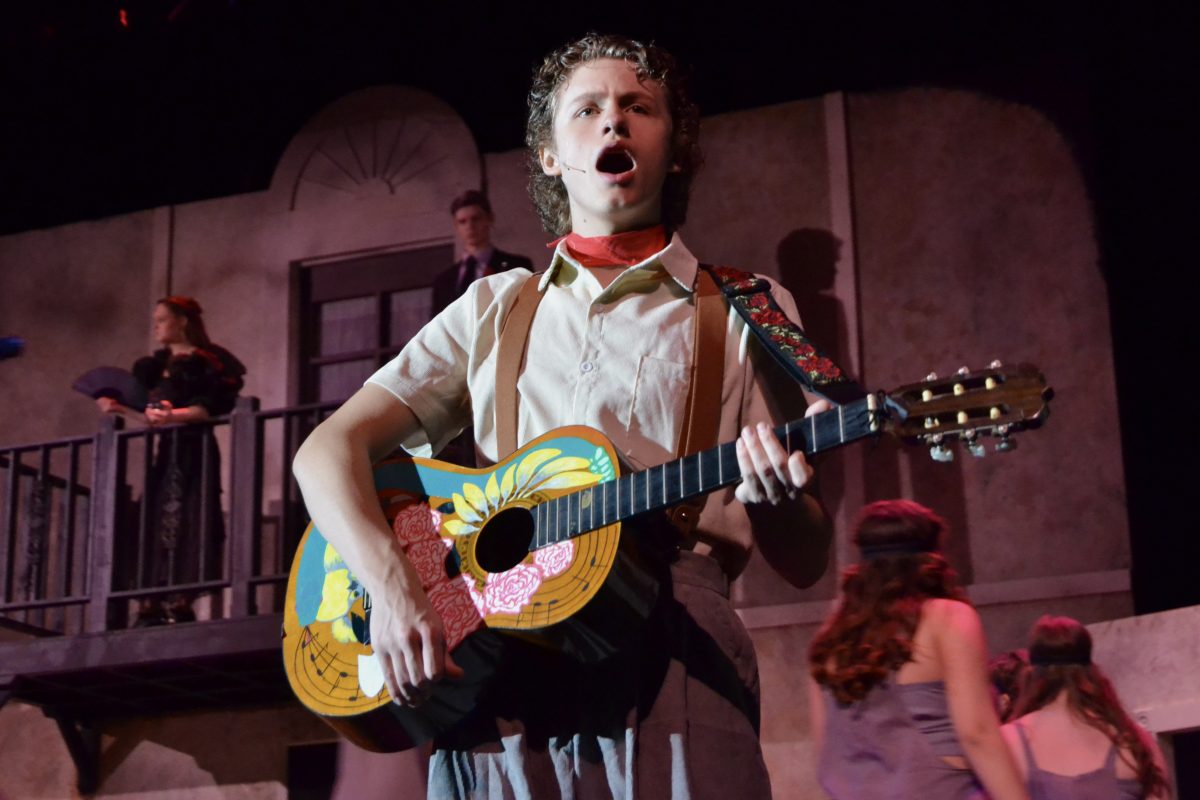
(941, 453)
(996, 364)
(963, 371)
(974, 447)
(931, 377)
(1006, 445)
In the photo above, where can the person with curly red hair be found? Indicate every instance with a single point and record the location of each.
(900, 700)
(1070, 735)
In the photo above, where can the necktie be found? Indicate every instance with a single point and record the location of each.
(470, 273)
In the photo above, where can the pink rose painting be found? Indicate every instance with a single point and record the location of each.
(555, 559)
(508, 592)
(454, 606)
(429, 559)
(417, 523)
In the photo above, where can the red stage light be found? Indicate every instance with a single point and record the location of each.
(123, 18)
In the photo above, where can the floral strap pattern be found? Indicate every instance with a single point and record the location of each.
(751, 297)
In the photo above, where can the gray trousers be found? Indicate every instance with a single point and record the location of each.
(676, 718)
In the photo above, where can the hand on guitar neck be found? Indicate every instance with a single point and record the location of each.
(769, 474)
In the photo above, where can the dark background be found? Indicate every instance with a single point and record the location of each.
(197, 99)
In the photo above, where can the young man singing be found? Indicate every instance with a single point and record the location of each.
(613, 145)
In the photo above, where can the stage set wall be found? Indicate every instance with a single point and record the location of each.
(920, 230)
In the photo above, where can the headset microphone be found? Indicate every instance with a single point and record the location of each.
(577, 169)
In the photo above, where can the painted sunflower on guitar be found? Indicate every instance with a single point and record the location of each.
(539, 471)
(524, 482)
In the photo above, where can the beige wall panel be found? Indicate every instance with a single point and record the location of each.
(975, 241)
(80, 296)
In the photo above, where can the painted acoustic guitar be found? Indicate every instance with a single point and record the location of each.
(531, 548)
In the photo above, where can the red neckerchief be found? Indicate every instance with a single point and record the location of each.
(618, 250)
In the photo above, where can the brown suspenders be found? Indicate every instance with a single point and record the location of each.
(703, 417)
(510, 355)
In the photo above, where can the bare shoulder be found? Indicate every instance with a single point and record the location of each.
(946, 614)
(1012, 738)
(952, 628)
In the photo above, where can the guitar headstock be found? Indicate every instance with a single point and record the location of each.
(969, 405)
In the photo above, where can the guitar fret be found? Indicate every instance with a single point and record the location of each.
(617, 507)
(812, 424)
(787, 435)
(841, 427)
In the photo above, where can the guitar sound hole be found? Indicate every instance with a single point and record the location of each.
(504, 541)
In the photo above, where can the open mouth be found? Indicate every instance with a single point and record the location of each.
(615, 161)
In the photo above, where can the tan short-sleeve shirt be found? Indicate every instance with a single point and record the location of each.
(617, 359)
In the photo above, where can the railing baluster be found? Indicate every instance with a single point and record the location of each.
(143, 575)
(38, 546)
(68, 516)
(8, 542)
(205, 532)
(106, 482)
(245, 475)
(283, 541)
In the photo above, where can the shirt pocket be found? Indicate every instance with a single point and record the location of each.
(656, 408)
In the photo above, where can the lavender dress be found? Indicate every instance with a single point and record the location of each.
(1099, 784)
(890, 745)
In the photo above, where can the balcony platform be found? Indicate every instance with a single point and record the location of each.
(217, 664)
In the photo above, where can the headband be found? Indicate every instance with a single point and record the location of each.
(1039, 657)
(870, 552)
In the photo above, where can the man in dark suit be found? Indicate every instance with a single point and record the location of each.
(473, 224)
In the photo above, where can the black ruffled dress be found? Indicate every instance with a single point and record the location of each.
(184, 543)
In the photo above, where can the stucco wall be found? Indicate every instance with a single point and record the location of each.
(239, 755)
(80, 296)
(975, 242)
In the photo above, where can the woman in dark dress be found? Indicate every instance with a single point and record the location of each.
(188, 380)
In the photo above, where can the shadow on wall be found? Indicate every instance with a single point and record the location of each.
(808, 260)
(808, 265)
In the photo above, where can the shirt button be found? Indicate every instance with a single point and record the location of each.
(586, 366)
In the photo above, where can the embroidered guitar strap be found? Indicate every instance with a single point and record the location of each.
(751, 297)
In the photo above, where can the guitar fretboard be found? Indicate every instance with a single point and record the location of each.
(661, 487)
